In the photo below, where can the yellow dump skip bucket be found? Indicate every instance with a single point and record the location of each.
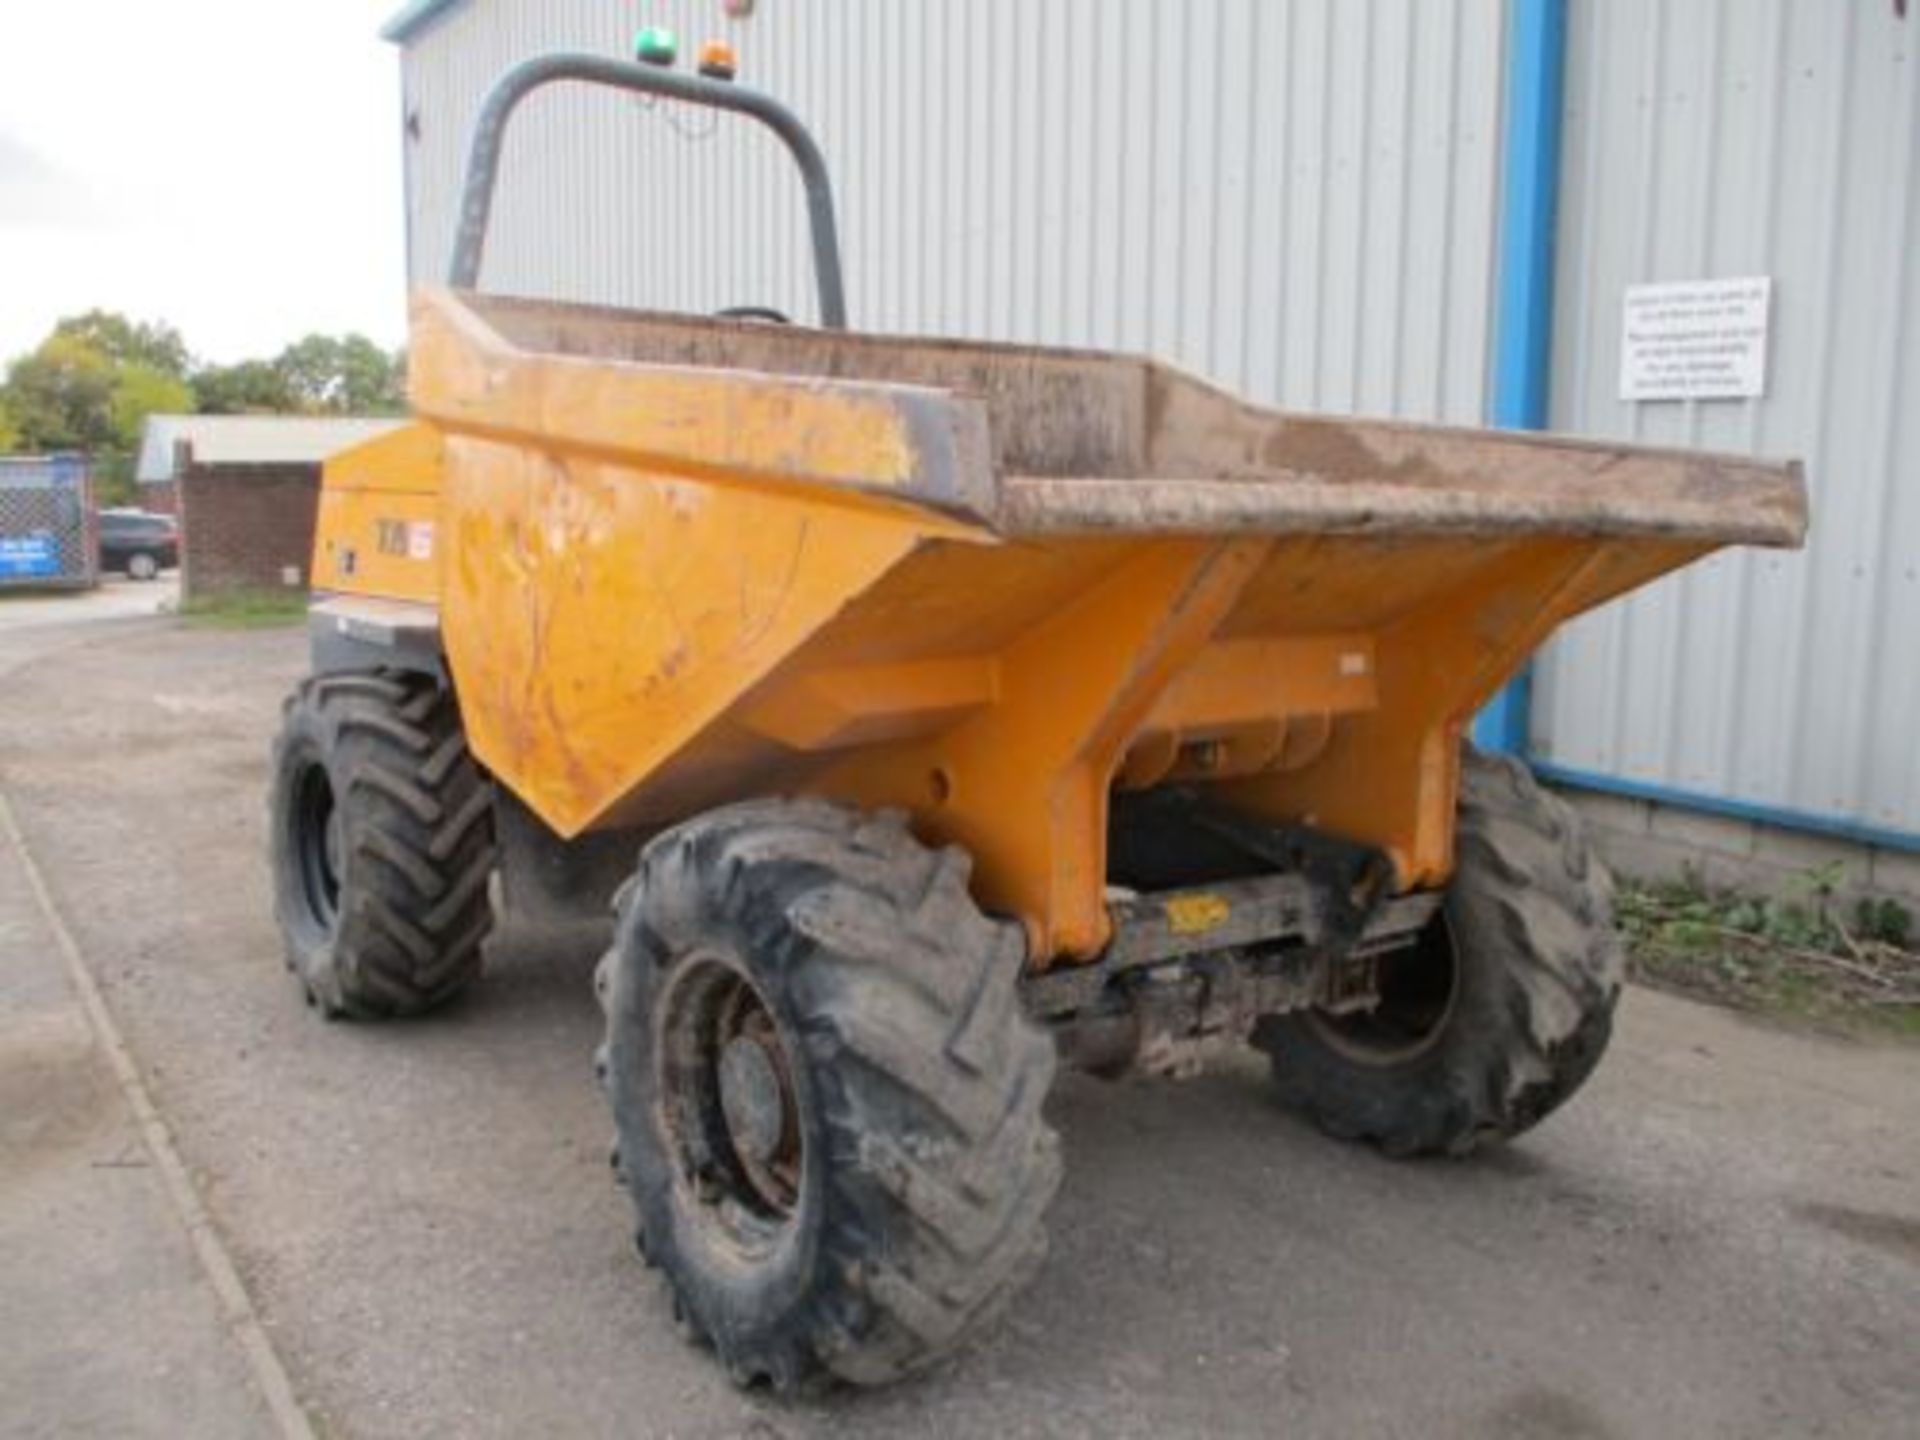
(683, 562)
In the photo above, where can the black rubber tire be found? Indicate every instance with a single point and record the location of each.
(1538, 967)
(918, 1079)
(415, 844)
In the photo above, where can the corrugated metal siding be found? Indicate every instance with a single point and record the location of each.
(1749, 137)
(1295, 197)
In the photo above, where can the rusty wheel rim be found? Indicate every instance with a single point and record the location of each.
(1419, 991)
(729, 1101)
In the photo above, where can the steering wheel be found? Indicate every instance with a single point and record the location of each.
(764, 313)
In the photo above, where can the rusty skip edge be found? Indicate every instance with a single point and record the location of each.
(1215, 465)
(1772, 514)
(946, 435)
(1570, 488)
(1530, 486)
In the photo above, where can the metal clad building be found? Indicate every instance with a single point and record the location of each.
(1754, 137)
(1302, 200)
(1297, 199)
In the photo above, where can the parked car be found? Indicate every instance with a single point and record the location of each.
(138, 542)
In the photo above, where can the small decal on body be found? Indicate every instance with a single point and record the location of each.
(1195, 914)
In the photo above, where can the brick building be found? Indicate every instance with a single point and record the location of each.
(246, 489)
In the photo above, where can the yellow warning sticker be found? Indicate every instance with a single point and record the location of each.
(1195, 914)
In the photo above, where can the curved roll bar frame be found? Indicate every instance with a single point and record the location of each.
(489, 136)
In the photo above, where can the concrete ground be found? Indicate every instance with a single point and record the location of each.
(1719, 1236)
(108, 1323)
(118, 598)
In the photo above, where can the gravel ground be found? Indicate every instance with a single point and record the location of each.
(1720, 1236)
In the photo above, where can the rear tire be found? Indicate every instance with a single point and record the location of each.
(382, 843)
(1502, 1009)
(827, 1095)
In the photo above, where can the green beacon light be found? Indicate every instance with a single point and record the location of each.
(656, 45)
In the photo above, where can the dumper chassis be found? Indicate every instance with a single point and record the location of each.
(913, 716)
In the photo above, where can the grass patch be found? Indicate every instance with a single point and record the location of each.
(1803, 958)
(246, 609)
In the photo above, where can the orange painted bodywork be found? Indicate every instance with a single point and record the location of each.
(378, 507)
(664, 585)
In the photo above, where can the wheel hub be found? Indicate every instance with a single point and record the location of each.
(751, 1099)
(730, 1098)
(1418, 986)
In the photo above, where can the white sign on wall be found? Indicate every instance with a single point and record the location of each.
(1695, 340)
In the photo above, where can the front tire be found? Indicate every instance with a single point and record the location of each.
(382, 843)
(1499, 1012)
(827, 1095)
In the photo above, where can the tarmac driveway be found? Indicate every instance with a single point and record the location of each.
(1720, 1236)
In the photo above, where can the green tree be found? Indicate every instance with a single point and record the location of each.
(61, 396)
(70, 395)
(91, 384)
(138, 392)
(342, 375)
(155, 345)
(252, 387)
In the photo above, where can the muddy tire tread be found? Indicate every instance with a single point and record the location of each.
(418, 842)
(1530, 893)
(929, 1080)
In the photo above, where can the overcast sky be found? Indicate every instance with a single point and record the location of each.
(231, 166)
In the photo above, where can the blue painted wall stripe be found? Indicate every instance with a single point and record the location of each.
(1523, 322)
(1775, 815)
(1529, 212)
(1523, 347)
